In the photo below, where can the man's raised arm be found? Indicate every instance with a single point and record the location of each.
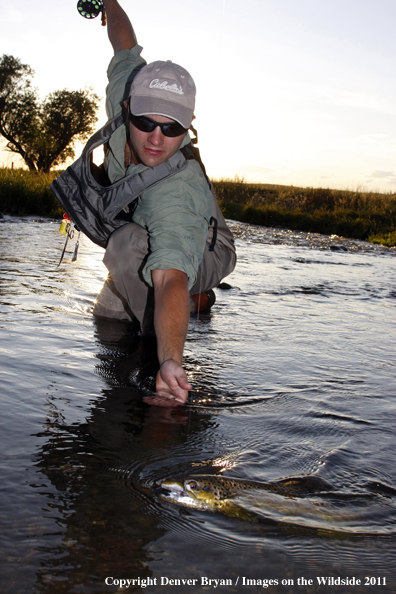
(119, 27)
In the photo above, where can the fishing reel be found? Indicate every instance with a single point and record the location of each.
(90, 9)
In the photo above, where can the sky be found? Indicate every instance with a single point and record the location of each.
(293, 92)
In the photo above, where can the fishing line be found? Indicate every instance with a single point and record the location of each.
(201, 267)
(222, 30)
(200, 289)
(200, 273)
(90, 9)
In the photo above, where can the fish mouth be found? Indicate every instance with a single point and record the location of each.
(174, 491)
(171, 488)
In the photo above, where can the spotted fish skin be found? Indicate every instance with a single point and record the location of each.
(219, 492)
(205, 492)
(295, 503)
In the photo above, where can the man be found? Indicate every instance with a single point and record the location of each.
(162, 256)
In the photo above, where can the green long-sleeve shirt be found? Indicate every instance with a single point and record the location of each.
(176, 211)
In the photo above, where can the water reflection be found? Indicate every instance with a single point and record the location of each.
(110, 463)
(112, 520)
(91, 542)
(293, 375)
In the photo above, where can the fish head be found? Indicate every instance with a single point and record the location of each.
(197, 491)
(206, 489)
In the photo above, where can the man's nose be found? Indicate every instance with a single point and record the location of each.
(156, 137)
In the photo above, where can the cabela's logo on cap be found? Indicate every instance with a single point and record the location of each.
(164, 86)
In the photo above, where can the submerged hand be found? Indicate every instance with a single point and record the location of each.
(171, 385)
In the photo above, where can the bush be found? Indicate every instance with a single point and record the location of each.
(25, 192)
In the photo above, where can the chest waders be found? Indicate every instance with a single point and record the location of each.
(98, 207)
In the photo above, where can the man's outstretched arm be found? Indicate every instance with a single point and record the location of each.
(172, 313)
(119, 27)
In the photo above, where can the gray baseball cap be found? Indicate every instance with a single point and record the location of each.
(163, 88)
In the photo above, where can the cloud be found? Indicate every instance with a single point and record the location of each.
(386, 176)
(382, 174)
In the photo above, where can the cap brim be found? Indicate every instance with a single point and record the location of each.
(155, 106)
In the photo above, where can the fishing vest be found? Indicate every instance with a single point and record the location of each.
(98, 207)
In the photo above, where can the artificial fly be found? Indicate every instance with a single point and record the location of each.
(90, 9)
(66, 229)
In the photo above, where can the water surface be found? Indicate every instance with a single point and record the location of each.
(293, 374)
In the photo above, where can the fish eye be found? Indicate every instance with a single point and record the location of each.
(192, 485)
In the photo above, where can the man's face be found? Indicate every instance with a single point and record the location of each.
(153, 148)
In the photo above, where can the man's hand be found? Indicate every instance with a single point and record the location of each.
(171, 385)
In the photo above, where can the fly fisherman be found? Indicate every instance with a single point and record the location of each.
(163, 253)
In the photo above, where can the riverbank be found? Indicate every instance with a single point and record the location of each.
(370, 216)
(25, 192)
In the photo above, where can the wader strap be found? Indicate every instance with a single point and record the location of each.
(103, 134)
(94, 204)
(192, 153)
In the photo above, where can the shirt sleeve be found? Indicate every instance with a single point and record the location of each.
(122, 68)
(120, 72)
(176, 214)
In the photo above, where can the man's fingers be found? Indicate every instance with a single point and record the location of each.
(157, 400)
(174, 375)
(163, 398)
(171, 385)
(184, 383)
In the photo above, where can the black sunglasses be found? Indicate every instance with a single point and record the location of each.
(145, 124)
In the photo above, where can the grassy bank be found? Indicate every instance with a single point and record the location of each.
(25, 192)
(360, 215)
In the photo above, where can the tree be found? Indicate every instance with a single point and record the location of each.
(42, 132)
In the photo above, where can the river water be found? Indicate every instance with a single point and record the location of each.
(293, 375)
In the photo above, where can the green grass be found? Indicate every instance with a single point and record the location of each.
(25, 192)
(355, 214)
(370, 216)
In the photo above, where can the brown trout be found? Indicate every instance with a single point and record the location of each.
(290, 500)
